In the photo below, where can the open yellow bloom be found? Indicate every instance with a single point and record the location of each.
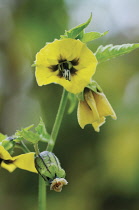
(94, 109)
(24, 161)
(67, 62)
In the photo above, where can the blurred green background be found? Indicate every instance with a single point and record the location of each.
(102, 168)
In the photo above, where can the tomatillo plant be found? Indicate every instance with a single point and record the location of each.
(70, 63)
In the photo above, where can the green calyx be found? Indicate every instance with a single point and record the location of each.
(94, 86)
(48, 166)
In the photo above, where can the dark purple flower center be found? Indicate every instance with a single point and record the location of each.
(65, 68)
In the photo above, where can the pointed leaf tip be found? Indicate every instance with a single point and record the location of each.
(107, 52)
(74, 32)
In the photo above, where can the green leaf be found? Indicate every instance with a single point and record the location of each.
(18, 137)
(94, 87)
(73, 102)
(29, 136)
(2, 137)
(74, 32)
(87, 37)
(29, 127)
(41, 130)
(40, 134)
(110, 51)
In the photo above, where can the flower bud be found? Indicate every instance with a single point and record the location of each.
(48, 166)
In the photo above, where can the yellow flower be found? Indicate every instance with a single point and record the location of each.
(24, 161)
(93, 109)
(67, 62)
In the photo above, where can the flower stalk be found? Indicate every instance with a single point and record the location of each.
(50, 146)
(58, 121)
(42, 194)
(36, 148)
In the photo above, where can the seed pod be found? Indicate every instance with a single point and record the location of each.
(48, 166)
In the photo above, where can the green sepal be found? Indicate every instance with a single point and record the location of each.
(61, 173)
(94, 87)
(7, 142)
(42, 168)
(48, 166)
(74, 32)
(81, 34)
(90, 36)
(34, 64)
(73, 102)
(80, 96)
(107, 52)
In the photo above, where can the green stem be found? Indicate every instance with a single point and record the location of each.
(58, 121)
(42, 194)
(36, 148)
(22, 146)
(42, 186)
(25, 147)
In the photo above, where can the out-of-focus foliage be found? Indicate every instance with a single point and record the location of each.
(102, 168)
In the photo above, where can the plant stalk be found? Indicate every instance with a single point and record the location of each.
(50, 146)
(22, 146)
(58, 121)
(42, 194)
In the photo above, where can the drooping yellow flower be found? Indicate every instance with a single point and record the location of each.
(94, 109)
(67, 62)
(24, 161)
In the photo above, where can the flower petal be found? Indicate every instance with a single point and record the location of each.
(103, 105)
(4, 154)
(26, 162)
(85, 115)
(9, 167)
(48, 52)
(98, 123)
(57, 184)
(92, 104)
(67, 49)
(44, 75)
(70, 48)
